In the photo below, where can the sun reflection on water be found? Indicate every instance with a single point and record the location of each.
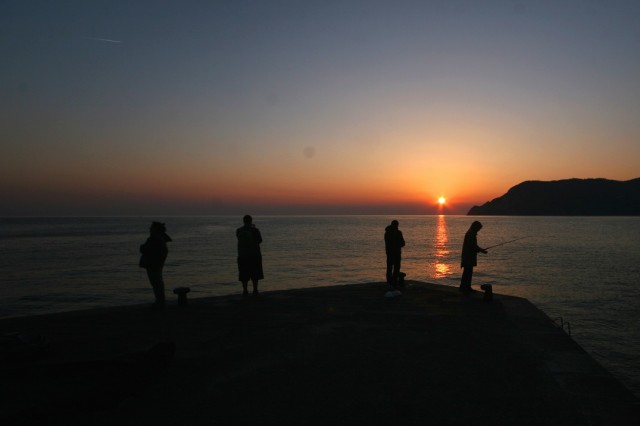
(442, 265)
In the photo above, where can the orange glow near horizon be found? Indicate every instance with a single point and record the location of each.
(223, 185)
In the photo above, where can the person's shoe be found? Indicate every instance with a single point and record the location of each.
(245, 293)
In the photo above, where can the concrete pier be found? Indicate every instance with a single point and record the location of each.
(317, 356)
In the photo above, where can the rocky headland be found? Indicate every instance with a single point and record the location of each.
(569, 197)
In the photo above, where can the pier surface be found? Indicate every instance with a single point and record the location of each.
(316, 356)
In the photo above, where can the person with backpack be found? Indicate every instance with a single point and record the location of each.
(154, 254)
(249, 255)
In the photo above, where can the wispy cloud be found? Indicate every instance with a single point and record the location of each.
(106, 40)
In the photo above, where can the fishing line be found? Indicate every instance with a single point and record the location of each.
(506, 242)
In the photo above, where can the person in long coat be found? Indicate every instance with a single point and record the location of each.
(154, 254)
(470, 250)
(393, 243)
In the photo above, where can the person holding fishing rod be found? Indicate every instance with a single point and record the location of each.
(470, 250)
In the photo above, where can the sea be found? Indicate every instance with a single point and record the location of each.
(583, 272)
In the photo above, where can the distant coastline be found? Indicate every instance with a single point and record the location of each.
(568, 197)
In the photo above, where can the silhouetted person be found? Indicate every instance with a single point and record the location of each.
(154, 253)
(393, 243)
(470, 250)
(249, 255)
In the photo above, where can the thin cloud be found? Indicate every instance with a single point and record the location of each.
(106, 40)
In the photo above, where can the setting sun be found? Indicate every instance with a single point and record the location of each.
(442, 200)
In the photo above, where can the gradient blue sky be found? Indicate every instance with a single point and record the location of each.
(157, 107)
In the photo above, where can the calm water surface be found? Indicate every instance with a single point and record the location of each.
(584, 269)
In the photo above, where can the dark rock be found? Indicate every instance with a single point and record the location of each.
(570, 197)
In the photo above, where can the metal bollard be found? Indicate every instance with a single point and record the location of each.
(488, 292)
(401, 277)
(182, 294)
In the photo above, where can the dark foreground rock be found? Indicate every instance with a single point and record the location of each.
(323, 356)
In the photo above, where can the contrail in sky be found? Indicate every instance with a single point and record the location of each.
(104, 39)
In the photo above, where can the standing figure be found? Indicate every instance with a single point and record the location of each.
(470, 250)
(154, 253)
(249, 255)
(393, 243)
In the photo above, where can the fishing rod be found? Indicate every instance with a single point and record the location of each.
(506, 242)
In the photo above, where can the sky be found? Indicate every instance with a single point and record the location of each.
(310, 107)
